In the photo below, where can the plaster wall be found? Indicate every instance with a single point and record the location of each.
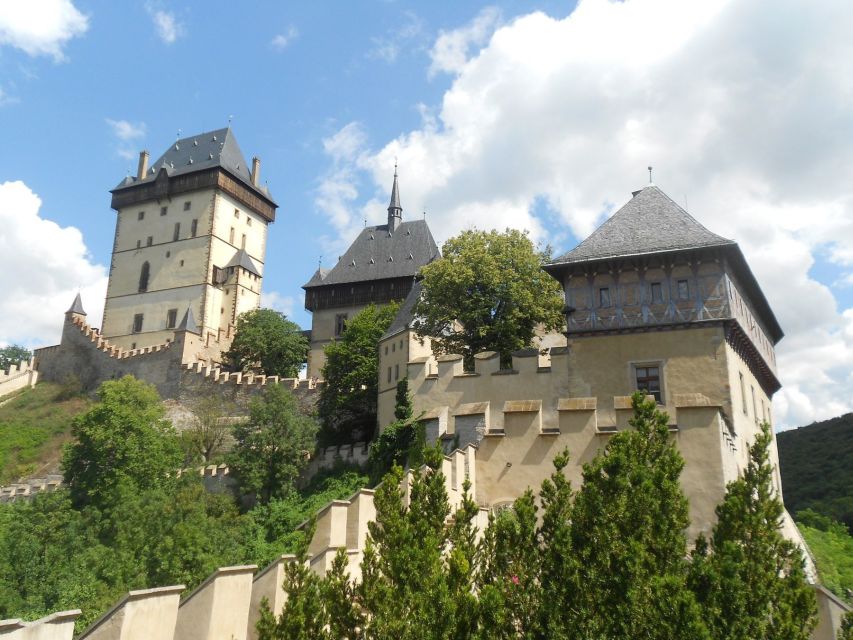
(395, 352)
(322, 333)
(17, 377)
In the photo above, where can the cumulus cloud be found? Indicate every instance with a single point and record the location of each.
(450, 51)
(167, 25)
(41, 27)
(277, 301)
(282, 40)
(56, 264)
(551, 122)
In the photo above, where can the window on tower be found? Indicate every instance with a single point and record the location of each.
(193, 228)
(144, 273)
(137, 323)
(164, 211)
(141, 215)
(231, 236)
(171, 318)
(340, 323)
(657, 292)
(177, 234)
(187, 205)
(604, 297)
(647, 379)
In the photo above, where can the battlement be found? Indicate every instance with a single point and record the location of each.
(215, 374)
(32, 487)
(102, 344)
(18, 376)
(326, 458)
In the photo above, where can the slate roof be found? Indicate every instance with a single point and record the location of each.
(77, 306)
(242, 259)
(377, 255)
(188, 322)
(199, 152)
(405, 314)
(650, 222)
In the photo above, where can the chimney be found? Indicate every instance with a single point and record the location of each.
(143, 165)
(256, 170)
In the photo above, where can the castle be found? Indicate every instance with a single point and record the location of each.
(654, 302)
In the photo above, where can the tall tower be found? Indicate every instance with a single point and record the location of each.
(191, 234)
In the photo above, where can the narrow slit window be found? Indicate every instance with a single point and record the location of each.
(177, 234)
(137, 323)
(193, 228)
(171, 318)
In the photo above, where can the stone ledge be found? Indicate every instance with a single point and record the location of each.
(577, 404)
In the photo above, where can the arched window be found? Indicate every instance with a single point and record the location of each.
(143, 277)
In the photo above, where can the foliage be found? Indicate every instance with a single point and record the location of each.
(33, 426)
(394, 445)
(273, 445)
(846, 630)
(487, 292)
(270, 529)
(347, 405)
(816, 464)
(267, 342)
(832, 547)
(122, 444)
(749, 579)
(13, 354)
(204, 438)
(628, 541)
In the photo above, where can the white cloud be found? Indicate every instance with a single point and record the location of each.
(388, 46)
(450, 52)
(56, 264)
(279, 302)
(127, 133)
(41, 27)
(748, 119)
(168, 28)
(282, 40)
(5, 98)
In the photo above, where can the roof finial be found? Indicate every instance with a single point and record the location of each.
(395, 211)
(650, 175)
(320, 262)
(395, 166)
(178, 134)
(230, 118)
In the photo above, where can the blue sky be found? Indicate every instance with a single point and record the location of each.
(536, 115)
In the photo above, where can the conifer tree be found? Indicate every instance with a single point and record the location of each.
(405, 588)
(628, 541)
(346, 619)
(750, 579)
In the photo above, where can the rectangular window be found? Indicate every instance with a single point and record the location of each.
(243, 242)
(231, 236)
(657, 292)
(171, 318)
(604, 297)
(743, 395)
(683, 290)
(248, 220)
(193, 228)
(396, 372)
(389, 374)
(164, 211)
(754, 404)
(187, 205)
(220, 275)
(340, 323)
(647, 377)
(137, 323)
(141, 215)
(138, 243)
(149, 241)
(177, 234)
(237, 213)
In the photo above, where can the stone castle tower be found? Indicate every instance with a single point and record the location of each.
(379, 267)
(189, 246)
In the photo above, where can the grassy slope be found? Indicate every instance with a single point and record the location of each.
(833, 554)
(34, 425)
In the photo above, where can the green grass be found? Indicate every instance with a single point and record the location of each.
(34, 425)
(833, 554)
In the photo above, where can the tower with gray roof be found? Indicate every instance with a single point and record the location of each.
(190, 239)
(379, 267)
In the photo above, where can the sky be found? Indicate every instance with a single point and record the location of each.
(532, 115)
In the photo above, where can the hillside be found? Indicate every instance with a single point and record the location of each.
(34, 424)
(816, 463)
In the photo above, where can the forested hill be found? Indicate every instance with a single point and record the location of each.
(816, 463)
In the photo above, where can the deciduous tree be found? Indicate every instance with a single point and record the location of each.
(273, 445)
(347, 405)
(487, 292)
(267, 342)
(13, 354)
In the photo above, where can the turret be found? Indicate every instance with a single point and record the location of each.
(395, 211)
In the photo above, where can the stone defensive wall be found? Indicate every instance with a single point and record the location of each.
(175, 368)
(520, 418)
(18, 376)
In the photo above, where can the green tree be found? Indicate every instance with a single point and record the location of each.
(846, 630)
(628, 540)
(205, 435)
(121, 443)
(13, 354)
(273, 445)
(266, 341)
(397, 440)
(405, 587)
(487, 292)
(347, 404)
(750, 579)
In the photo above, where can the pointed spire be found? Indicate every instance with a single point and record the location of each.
(395, 211)
(77, 306)
(188, 322)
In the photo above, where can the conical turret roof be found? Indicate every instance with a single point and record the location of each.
(77, 306)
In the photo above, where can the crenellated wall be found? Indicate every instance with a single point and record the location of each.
(18, 376)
